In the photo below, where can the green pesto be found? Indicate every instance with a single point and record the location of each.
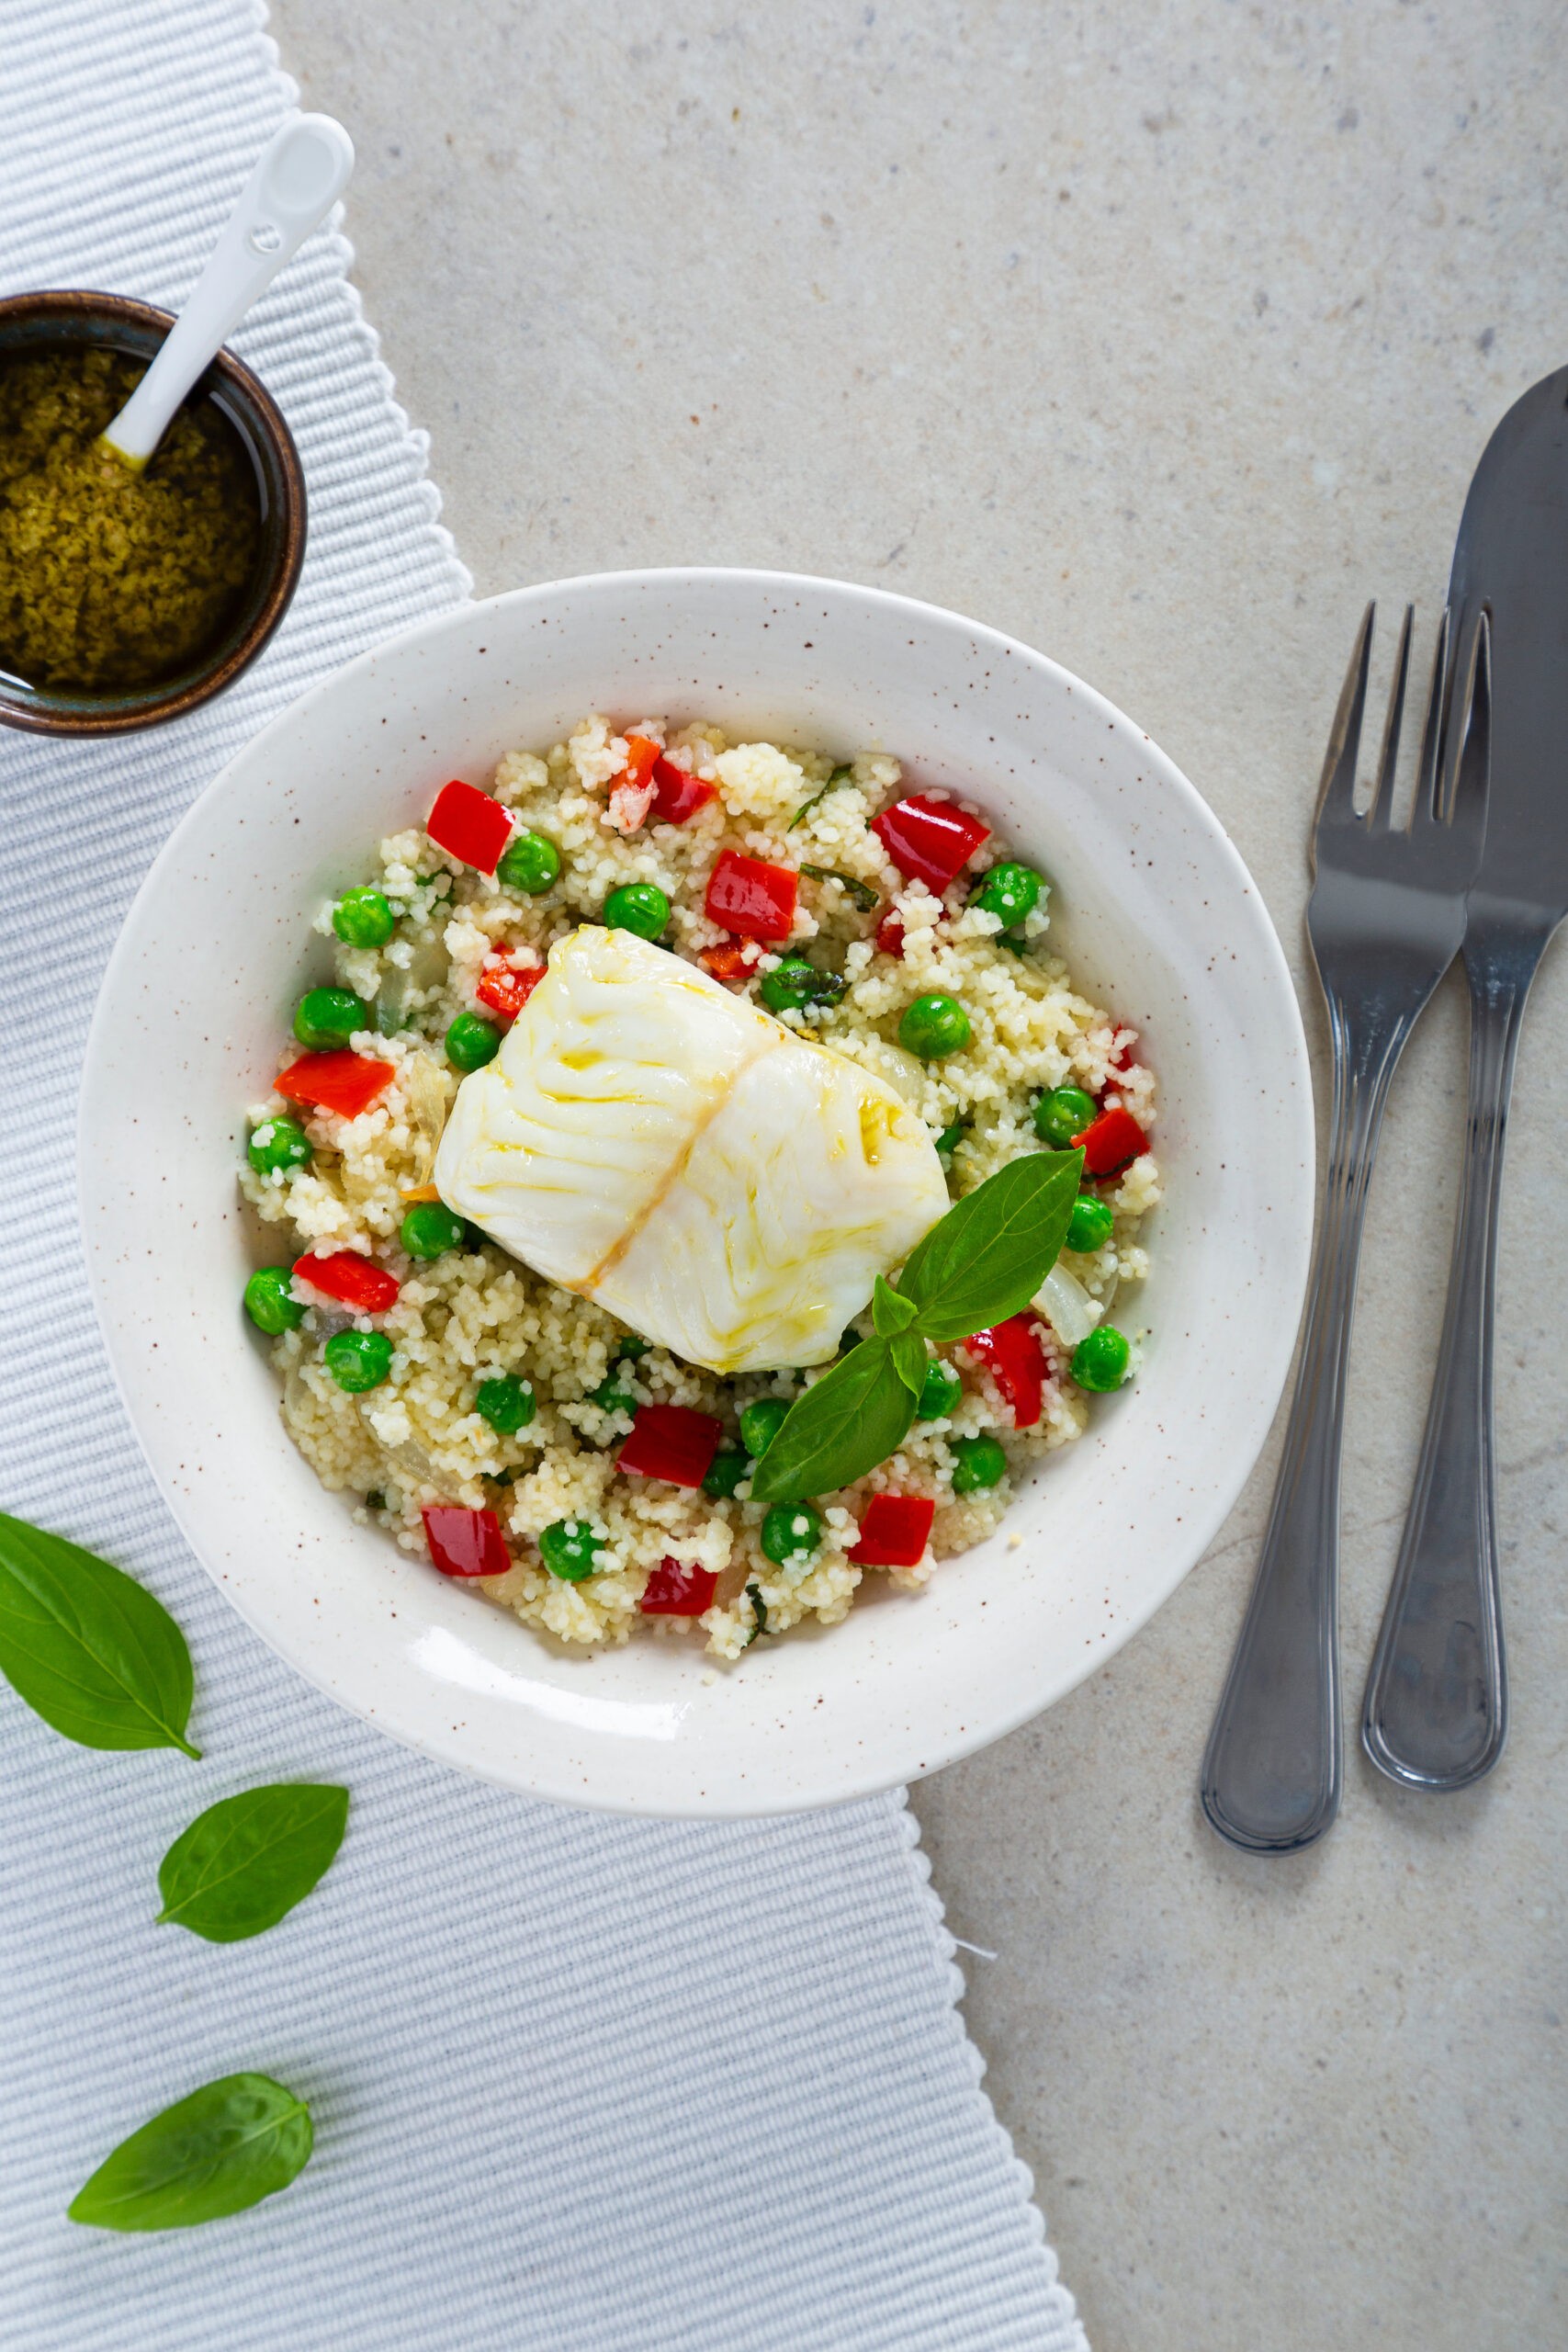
(112, 578)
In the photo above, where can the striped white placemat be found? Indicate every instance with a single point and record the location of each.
(578, 2082)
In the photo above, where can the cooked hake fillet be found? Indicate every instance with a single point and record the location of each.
(667, 1149)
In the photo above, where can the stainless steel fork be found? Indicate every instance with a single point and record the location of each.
(1385, 918)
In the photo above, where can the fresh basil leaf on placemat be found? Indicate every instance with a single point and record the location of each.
(226, 2146)
(88, 1647)
(852, 1418)
(249, 1859)
(987, 1257)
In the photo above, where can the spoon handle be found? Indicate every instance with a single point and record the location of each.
(299, 177)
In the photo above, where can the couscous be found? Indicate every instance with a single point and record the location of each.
(524, 1433)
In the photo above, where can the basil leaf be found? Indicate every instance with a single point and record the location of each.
(848, 1422)
(889, 1312)
(838, 776)
(87, 1647)
(865, 897)
(987, 1257)
(248, 1859)
(226, 2146)
(908, 1352)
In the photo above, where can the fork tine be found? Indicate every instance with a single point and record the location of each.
(1378, 814)
(1473, 767)
(1429, 770)
(1336, 793)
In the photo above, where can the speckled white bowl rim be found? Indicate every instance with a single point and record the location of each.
(1160, 921)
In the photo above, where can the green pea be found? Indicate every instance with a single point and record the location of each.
(796, 983)
(270, 1302)
(363, 918)
(761, 1423)
(471, 1042)
(628, 1348)
(940, 1392)
(277, 1143)
(791, 1533)
(1010, 891)
(429, 1229)
(934, 1026)
(612, 1399)
(1102, 1361)
(327, 1017)
(1063, 1113)
(726, 1471)
(506, 1403)
(1089, 1226)
(639, 907)
(358, 1360)
(530, 862)
(976, 1462)
(568, 1549)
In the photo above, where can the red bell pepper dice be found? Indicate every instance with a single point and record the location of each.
(677, 794)
(676, 1591)
(358, 1281)
(341, 1081)
(749, 896)
(1016, 1360)
(890, 935)
(728, 963)
(468, 824)
(465, 1542)
(642, 757)
(895, 1532)
(671, 1441)
(1113, 1139)
(506, 987)
(930, 841)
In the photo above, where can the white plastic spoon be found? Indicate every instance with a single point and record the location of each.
(300, 175)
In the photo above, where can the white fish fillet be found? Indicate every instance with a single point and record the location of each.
(667, 1149)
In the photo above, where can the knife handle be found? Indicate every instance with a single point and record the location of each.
(1436, 1706)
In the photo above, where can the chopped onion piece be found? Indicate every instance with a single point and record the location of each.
(1068, 1306)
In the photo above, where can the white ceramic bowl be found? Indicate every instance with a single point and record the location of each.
(1160, 921)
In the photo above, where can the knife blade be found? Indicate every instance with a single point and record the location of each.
(1435, 1709)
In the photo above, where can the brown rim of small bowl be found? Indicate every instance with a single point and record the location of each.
(45, 320)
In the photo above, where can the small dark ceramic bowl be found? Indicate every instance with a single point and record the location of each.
(43, 321)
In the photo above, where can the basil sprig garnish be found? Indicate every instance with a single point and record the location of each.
(249, 1859)
(88, 1647)
(225, 2147)
(981, 1262)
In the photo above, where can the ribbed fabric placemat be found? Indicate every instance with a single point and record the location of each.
(579, 2082)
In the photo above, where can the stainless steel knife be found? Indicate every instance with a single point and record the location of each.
(1435, 1710)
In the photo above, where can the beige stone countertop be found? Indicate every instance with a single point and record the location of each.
(1161, 337)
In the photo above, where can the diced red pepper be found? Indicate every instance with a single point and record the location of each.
(671, 1441)
(895, 1532)
(506, 987)
(729, 963)
(358, 1281)
(1124, 1053)
(1016, 1360)
(341, 1081)
(468, 824)
(643, 756)
(930, 840)
(677, 794)
(465, 1542)
(747, 895)
(674, 1589)
(1113, 1139)
(890, 935)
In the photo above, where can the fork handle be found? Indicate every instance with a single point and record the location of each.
(1271, 1772)
(1436, 1704)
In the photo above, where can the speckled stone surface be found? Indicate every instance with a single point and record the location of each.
(1162, 339)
